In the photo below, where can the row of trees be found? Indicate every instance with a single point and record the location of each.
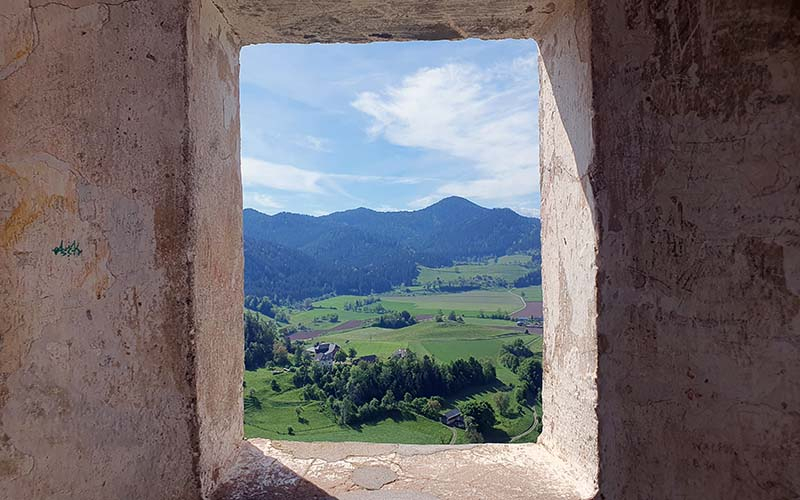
(440, 317)
(498, 314)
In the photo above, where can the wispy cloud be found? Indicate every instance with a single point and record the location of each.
(314, 143)
(483, 117)
(264, 174)
(260, 201)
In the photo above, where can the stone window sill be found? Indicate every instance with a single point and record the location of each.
(294, 470)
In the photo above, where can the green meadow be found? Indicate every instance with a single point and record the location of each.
(277, 411)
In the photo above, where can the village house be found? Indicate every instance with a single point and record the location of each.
(323, 352)
(400, 353)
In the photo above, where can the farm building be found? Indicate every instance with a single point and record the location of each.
(323, 352)
(453, 418)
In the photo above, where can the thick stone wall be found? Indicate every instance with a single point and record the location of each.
(217, 261)
(697, 188)
(119, 138)
(569, 245)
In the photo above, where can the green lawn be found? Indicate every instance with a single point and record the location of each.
(508, 267)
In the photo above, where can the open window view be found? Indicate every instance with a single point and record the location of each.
(392, 242)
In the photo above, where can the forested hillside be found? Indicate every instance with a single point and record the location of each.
(291, 257)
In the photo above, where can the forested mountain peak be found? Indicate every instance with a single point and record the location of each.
(363, 251)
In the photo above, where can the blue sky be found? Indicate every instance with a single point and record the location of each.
(389, 126)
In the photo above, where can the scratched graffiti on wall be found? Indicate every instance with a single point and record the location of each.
(69, 250)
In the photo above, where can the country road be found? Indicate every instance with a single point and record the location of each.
(530, 429)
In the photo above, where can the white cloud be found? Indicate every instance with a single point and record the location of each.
(264, 174)
(260, 201)
(483, 117)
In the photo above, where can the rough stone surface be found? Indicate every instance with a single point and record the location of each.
(696, 182)
(216, 250)
(120, 367)
(284, 470)
(95, 379)
(372, 478)
(569, 247)
(281, 21)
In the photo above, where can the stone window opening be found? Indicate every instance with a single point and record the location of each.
(572, 474)
(668, 153)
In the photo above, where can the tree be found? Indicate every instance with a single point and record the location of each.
(274, 385)
(481, 412)
(503, 403)
(290, 430)
(451, 316)
(280, 354)
(473, 433)
(351, 353)
(340, 356)
(530, 372)
(259, 337)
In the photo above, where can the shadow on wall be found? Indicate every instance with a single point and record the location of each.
(259, 477)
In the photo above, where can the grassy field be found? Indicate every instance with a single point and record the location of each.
(444, 342)
(508, 267)
(529, 293)
(466, 303)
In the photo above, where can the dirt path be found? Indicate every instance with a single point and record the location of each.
(455, 436)
(520, 299)
(530, 429)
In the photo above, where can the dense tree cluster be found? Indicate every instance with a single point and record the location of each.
(395, 320)
(520, 359)
(363, 392)
(532, 278)
(262, 344)
(465, 284)
(260, 304)
(369, 304)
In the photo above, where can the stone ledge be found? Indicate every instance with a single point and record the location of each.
(293, 470)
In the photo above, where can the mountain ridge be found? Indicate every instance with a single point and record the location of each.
(361, 251)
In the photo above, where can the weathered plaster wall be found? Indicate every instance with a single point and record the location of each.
(697, 185)
(358, 21)
(96, 372)
(213, 100)
(569, 244)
